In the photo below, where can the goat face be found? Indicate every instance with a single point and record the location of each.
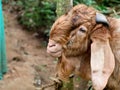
(78, 42)
(63, 26)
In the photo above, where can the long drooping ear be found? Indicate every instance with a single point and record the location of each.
(102, 60)
(100, 18)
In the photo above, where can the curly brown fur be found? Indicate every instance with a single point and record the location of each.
(76, 51)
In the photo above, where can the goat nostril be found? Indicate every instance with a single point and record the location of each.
(53, 45)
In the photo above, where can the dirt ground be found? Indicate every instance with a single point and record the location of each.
(27, 58)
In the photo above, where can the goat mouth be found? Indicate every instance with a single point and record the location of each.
(55, 53)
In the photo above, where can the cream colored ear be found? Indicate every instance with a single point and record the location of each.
(102, 63)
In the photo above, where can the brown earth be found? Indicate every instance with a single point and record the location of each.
(27, 58)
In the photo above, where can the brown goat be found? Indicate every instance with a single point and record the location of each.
(87, 46)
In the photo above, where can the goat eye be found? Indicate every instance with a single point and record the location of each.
(82, 30)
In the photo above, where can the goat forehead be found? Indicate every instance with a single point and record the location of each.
(79, 15)
(83, 9)
(62, 28)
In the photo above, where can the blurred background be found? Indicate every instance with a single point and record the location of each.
(27, 26)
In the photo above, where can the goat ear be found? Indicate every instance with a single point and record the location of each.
(102, 63)
(100, 18)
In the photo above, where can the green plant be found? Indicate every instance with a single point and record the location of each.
(34, 15)
(37, 14)
(108, 7)
(5, 1)
(87, 2)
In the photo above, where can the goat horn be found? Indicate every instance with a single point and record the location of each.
(100, 18)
